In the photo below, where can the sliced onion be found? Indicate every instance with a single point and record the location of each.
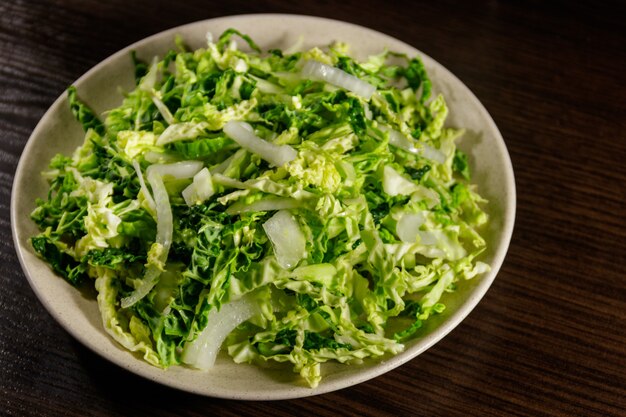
(161, 198)
(163, 209)
(184, 169)
(287, 239)
(202, 352)
(144, 188)
(165, 112)
(163, 238)
(266, 86)
(243, 134)
(433, 154)
(399, 140)
(322, 72)
(200, 189)
(165, 226)
(147, 84)
(264, 204)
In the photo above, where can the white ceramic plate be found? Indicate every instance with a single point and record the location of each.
(78, 313)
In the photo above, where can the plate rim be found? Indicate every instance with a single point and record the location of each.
(291, 392)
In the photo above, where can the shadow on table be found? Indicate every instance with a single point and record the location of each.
(130, 394)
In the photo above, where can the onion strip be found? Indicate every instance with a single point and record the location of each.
(202, 352)
(165, 226)
(287, 239)
(339, 78)
(243, 134)
(144, 188)
(399, 140)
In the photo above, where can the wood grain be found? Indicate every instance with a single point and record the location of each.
(548, 338)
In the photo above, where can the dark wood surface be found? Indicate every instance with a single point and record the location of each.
(549, 338)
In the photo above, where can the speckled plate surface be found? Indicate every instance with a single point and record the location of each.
(78, 313)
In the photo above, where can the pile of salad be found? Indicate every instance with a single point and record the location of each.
(293, 207)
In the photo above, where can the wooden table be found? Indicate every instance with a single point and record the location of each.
(549, 338)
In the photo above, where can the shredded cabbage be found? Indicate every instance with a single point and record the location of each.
(282, 206)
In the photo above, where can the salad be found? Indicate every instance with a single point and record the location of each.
(297, 207)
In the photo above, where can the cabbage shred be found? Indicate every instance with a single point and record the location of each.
(361, 288)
